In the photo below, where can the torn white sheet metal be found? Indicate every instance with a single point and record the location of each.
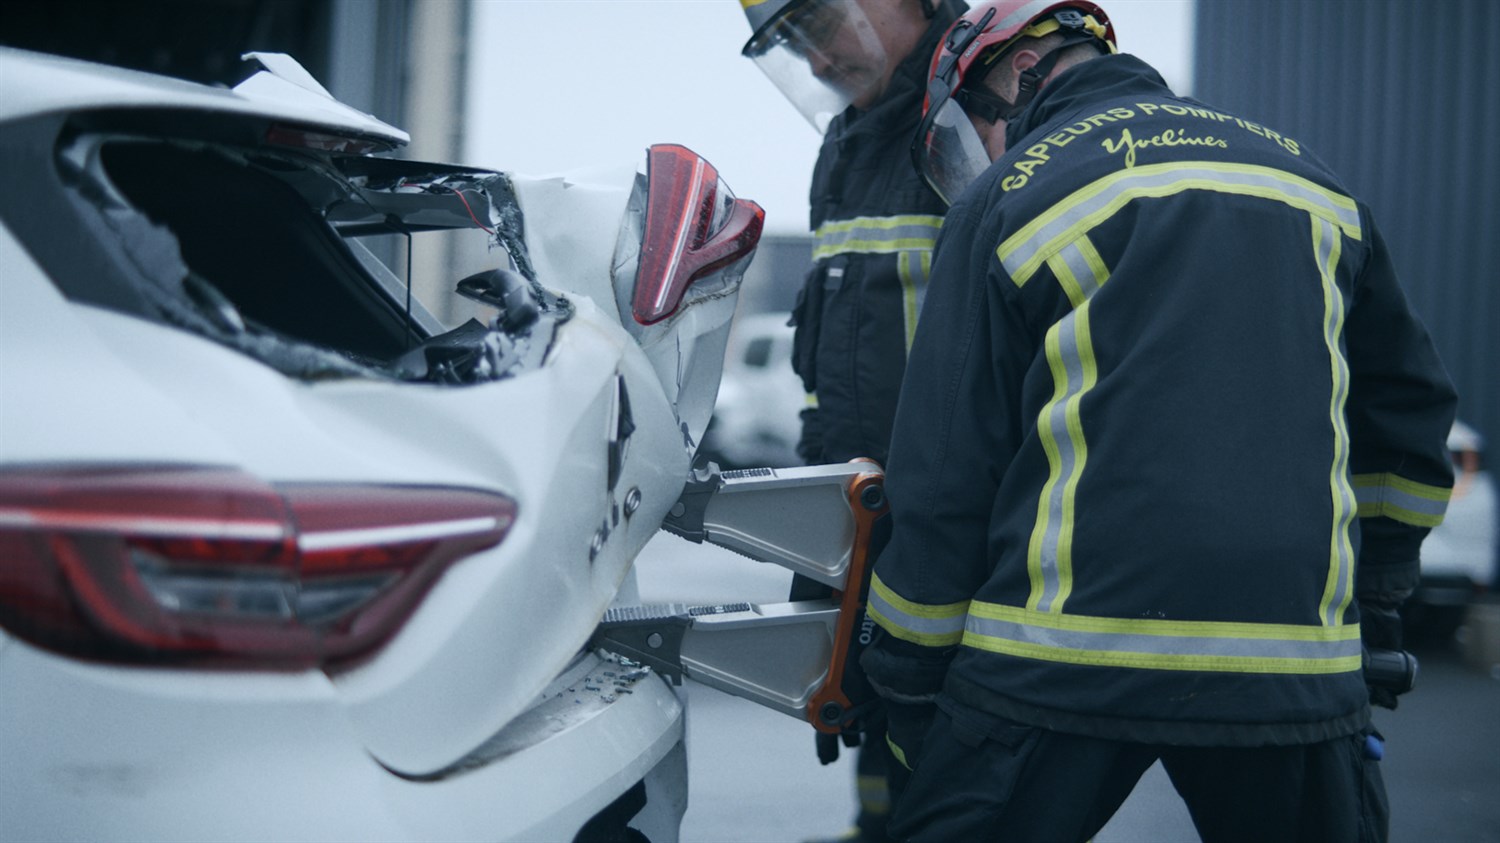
(423, 196)
(596, 254)
(38, 83)
(285, 81)
(285, 67)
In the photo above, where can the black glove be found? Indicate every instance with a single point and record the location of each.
(1389, 670)
(907, 677)
(810, 444)
(1380, 632)
(906, 725)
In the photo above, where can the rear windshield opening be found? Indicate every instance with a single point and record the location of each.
(256, 240)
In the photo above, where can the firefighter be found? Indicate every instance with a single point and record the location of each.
(1168, 444)
(856, 69)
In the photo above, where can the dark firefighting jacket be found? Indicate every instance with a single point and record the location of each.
(1166, 405)
(874, 222)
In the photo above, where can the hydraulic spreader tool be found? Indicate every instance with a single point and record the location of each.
(793, 657)
(817, 521)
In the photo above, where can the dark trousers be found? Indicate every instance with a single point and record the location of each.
(872, 768)
(984, 778)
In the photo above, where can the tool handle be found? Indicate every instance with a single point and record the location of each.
(1392, 670)
(830, 708)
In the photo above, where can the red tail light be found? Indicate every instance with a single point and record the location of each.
(205, 564)
(693, 227)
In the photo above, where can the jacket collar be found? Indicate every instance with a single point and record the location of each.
(1098, 80)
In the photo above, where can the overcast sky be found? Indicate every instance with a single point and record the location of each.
(558, 84)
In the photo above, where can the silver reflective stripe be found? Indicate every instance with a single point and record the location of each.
(1062, 455)
(943, 627)
(1026, 250)
(1390, 496)
(1405, 500)
(916, 622)
(1086, 276)
(876, 235)
(1070, 356)
(1163, 645)
(1327, 243)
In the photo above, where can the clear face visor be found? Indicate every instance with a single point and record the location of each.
(824, 56)
(951, 154)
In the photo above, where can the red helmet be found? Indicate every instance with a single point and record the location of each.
(947, 151)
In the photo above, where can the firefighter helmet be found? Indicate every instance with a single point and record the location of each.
(824, 55)
(948, 150)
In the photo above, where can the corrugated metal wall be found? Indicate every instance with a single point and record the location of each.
(1402, 99)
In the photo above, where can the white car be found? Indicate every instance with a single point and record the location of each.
(756, 421)
(283, 556)
(1459, 555)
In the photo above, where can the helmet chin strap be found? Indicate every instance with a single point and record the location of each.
(989, 106)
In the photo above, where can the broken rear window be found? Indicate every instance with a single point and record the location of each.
(302, 261)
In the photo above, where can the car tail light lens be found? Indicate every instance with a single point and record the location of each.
(694, 226)
(214, 565)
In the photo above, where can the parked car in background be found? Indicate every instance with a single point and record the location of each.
(756, 420)
(284, 555)
(1459, 555)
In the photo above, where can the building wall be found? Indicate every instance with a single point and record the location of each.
(190, 39)
(1400, 98)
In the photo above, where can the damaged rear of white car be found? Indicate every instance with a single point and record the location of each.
(283, 556)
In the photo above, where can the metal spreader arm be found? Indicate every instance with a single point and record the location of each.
(790, 657)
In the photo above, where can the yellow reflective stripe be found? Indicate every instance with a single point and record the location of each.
(914, 268)
(1026, 251)
(1036, 567)
(876, 235)
(1068, 281)
(872, 247)
(745, 4)
(896, 752)
(1150, 661)
(878, 223)
(920, 623)
(1338, 588)
(1093, 260)
(811, 400)
(1240, 630)
(1398, 498)
(908, 294)
(874, 795)
(1070, 355)
(1163, 644)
